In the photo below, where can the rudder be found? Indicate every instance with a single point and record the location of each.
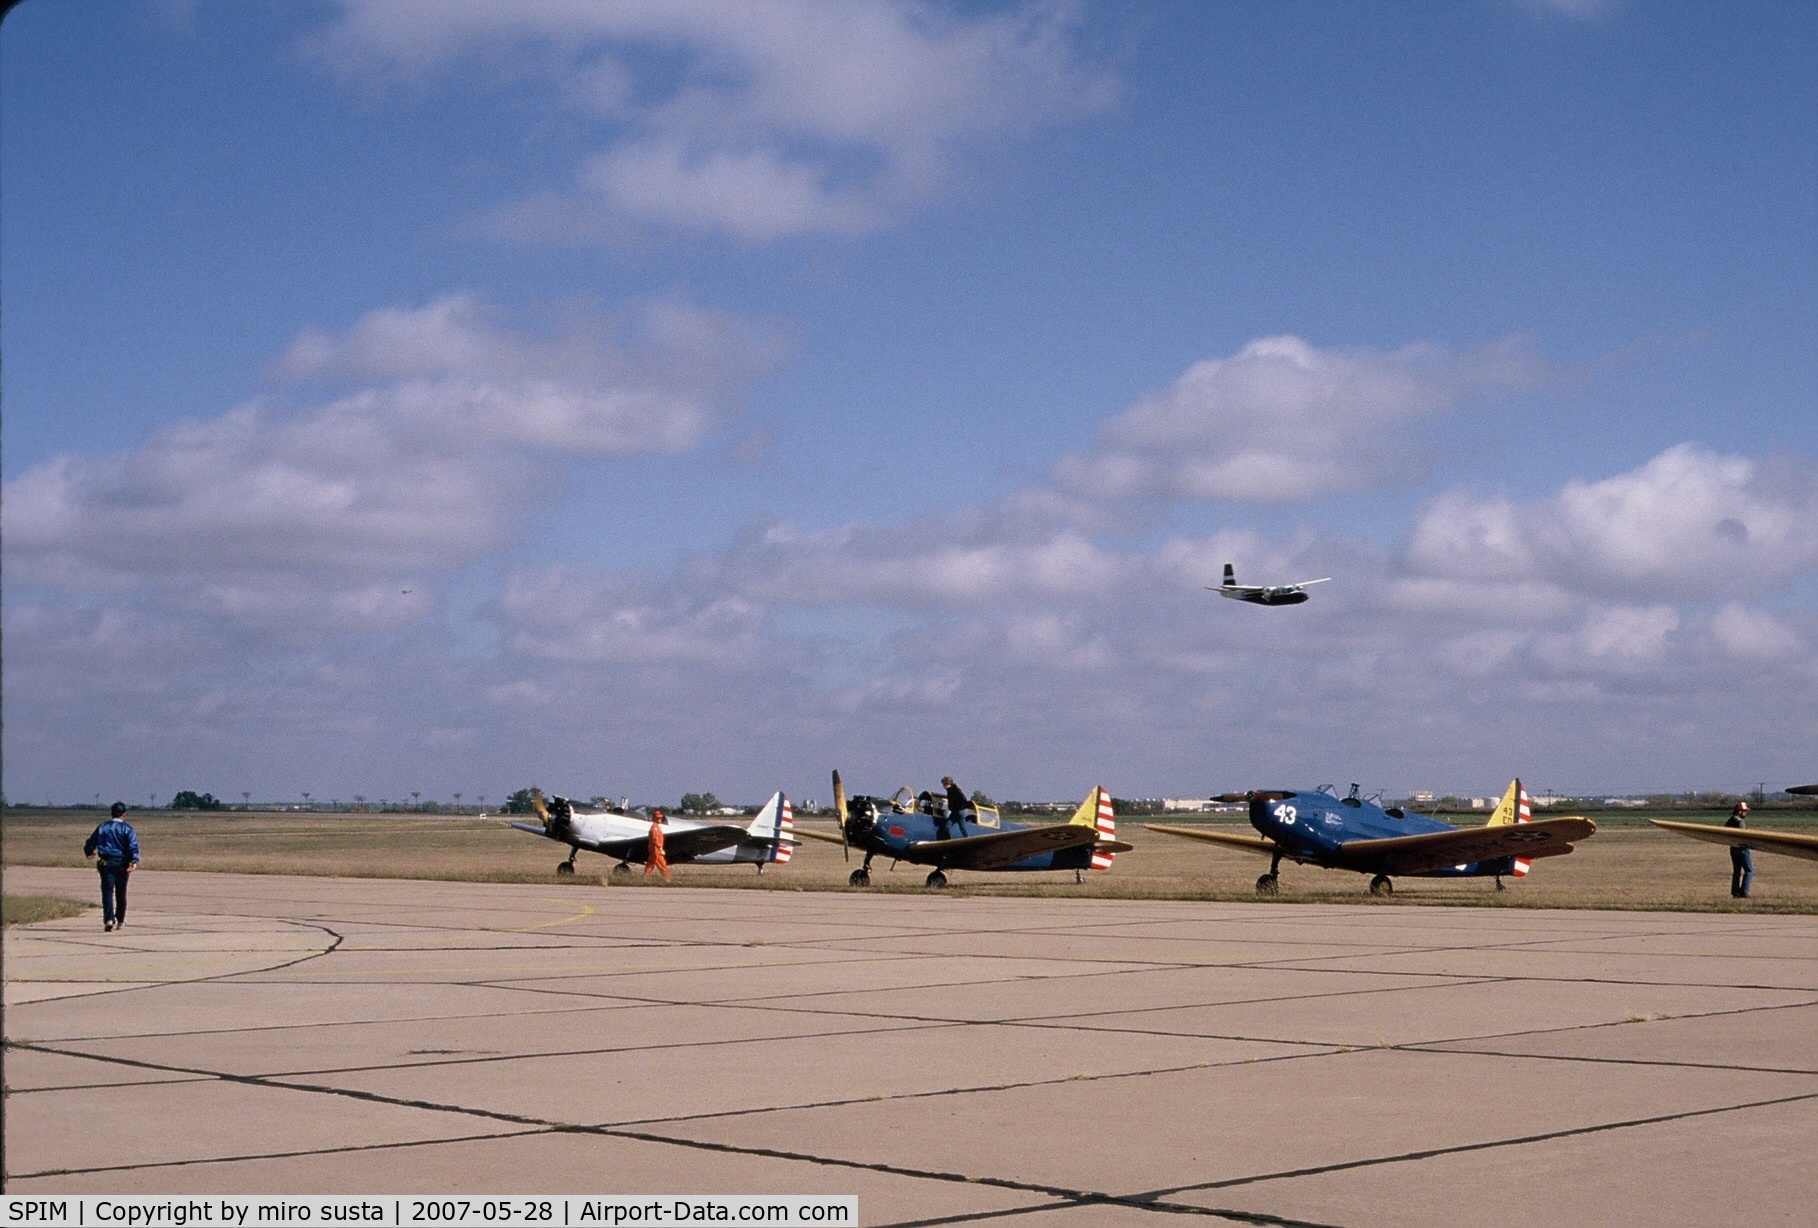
(1514, 808)
(1095, 812)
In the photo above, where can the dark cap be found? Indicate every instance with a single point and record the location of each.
(118, 810)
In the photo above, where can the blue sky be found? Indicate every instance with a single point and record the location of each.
(736, 391)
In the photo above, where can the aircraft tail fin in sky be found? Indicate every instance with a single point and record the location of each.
(775, 822)
(1514, 808)
(1230, 576)
(1095, 812)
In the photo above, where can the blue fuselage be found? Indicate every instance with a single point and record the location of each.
(1314, 828)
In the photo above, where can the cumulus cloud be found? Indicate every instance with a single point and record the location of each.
(564, 614)
(266, 513)
(1284, 420)
(752, 121)
(1033, 640)
(1689, 523)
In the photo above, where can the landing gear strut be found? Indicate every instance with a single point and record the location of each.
(1499, 885)
(937, 880)
(1270, 883)
(1380, 885)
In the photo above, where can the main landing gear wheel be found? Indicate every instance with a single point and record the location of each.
(1380, 885)
(859, 878)
(620, 873)
(1268, 884)
(565, 868)
(937, 879)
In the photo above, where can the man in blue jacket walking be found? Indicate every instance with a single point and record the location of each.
(115, 847)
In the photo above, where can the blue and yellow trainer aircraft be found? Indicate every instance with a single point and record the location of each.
(919, 829)
(1351, 833)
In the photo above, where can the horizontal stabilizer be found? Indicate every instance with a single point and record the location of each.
(1791, 844)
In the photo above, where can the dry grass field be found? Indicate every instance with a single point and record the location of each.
(26, 909)
(1626, 865)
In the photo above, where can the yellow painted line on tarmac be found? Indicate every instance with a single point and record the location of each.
(586, 911)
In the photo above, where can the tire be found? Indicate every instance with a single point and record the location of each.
(565, 868)
(937, 880)
(859, 878)
(1268, 884)
(1380, 885)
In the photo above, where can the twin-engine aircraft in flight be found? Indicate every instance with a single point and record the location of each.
(919, 830)
(1353, 834)
(1259, 594)
(626, 837)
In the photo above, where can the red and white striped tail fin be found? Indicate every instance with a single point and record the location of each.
(775, 822)
(1524, 813)
(785, 824)
(1095, 812)
(1514, 808)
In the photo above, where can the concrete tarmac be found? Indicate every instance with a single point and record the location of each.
(948, 1059)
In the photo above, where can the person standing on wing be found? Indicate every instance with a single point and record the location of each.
(1742, 860)
(115, 847)
(959, 806)
(657, 861)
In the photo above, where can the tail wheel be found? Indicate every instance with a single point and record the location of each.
(937, 880)
(1380, 885)
(1268, 884)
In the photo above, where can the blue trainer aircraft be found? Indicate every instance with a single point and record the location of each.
(919, 830)
(1350, 833)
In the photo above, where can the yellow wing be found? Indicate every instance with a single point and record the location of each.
(1791, 844)
(1249, 844)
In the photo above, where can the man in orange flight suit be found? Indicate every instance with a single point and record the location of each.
(657, 861)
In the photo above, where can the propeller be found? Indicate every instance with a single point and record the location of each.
(839, 806)
(536, 804)
(1267, 795)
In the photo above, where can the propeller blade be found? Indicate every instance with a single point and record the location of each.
(1230, 797)
(839, 806)
(536, 804)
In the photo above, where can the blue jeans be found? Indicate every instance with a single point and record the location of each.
(113, 892)
(1742, 869)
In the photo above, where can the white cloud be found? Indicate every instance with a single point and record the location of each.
(1283, 420)
(564, 615)
(1754, 634)
(753, 121)
(274, 517)
(1689, 524)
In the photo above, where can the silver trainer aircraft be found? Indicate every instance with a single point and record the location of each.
(626, 837)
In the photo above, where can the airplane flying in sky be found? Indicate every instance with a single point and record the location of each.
(626, 837)
(920, 831)
(1257, 594)
(1353, 834)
